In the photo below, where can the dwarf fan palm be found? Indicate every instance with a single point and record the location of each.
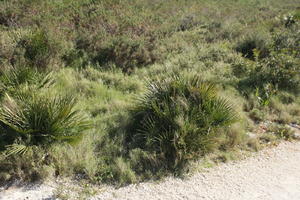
(37, 119)
(179, 118)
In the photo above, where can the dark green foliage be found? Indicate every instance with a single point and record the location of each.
(242, 68)
(11, 78)
(287, 40)
(286, 98)
(127, 53)
(289, 20)
(8, 18)
(18, 75)
(279, 70)
(252, 46)
(37, 49)
(188, 22)
(14, 78)
(178, 119)
(31, 119)
(18, 166)
(77, 58)
(124, 52)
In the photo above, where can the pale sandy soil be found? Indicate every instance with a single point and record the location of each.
(272, 174)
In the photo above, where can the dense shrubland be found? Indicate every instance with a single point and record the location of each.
(178, 119)
(122, 91)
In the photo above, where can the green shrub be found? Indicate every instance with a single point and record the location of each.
(256, 115)
(178, 119)
(37, 48)
(146, 164)
(77, 59)
(234, 135)
(241, 67)
(268, 138)
(17, 75)
(31, 166)
(12, 79)
(287, 40)
(9, 17)
(253, 46)
(187, 23)
(280, 71)
(286, 98)
(127, 53)
(30, 119)
(289, 20)
(281, 131)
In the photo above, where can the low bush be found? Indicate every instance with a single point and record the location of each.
(289, 20)
(282, 131)
(256, 115)
(287, 40)
(13, 79)
(279, 71)
(30, 166)
(127, 53)
(37, 48)
(253, 46)
(188, 22)
(29, 119)
(179, 119)
(9, 17)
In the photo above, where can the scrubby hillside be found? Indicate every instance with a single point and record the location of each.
(121, 91)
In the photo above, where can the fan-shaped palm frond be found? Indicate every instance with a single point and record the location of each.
(179, 117)
(40, 119)
(13, 79)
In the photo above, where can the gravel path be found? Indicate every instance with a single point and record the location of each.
(273, 173)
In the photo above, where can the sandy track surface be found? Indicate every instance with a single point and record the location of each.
(273, 173)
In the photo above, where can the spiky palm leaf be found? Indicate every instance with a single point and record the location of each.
(13, 79)
(179, 117)
(40, 119)
(16, 149)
